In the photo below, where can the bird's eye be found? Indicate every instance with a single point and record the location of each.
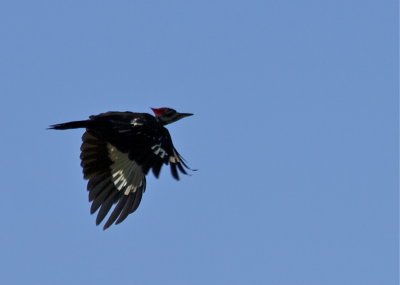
(170, 112)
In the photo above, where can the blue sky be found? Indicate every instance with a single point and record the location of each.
(295, 136)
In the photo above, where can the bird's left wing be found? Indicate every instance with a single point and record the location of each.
(113, 179)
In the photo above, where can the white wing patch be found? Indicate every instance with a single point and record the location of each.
(127, 175)
(136, 122)
(174, 158)
(158, 150)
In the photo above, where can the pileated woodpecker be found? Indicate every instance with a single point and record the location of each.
(117, 152)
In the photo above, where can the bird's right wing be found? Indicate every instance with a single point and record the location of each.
(149, 145)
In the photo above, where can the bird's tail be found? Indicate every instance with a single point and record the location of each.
(72, 125)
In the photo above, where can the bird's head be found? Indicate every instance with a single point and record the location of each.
(167, 115)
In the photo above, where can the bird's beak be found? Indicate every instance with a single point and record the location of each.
(183, 115)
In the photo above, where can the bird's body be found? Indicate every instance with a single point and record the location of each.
(118, 150)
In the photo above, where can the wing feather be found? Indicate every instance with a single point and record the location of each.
(130, 206)
(106, 206)
(116, 212)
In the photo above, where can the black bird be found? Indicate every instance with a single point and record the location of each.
(118, 150)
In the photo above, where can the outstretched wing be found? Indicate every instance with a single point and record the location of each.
(156, 150)
(113, 178)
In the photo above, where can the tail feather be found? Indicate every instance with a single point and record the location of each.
(71, 125)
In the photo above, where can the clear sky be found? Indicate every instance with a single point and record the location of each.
(295, 136)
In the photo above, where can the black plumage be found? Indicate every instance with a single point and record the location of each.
(117, 152)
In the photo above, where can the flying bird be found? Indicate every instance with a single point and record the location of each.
(117, 152)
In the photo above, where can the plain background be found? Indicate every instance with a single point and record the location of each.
(295, 136)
